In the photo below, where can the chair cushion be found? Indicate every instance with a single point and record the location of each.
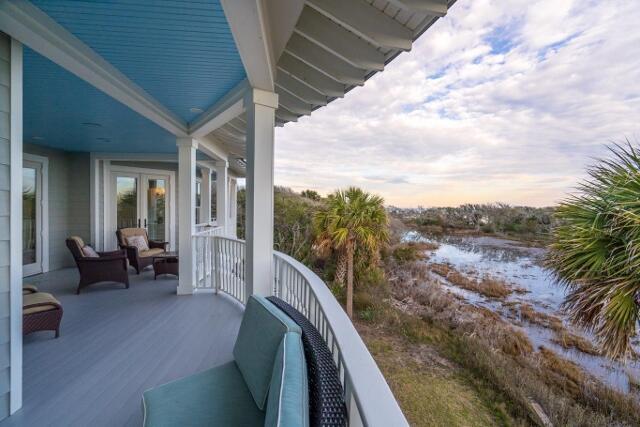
(78, 241)
(150, 252)
(261, 331)
(39, 301)
(29, 289)
(129, 232)
(139, 242)
(288, 403)
(216, 397)
(89, 252)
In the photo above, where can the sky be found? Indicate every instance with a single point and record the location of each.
(499, 101)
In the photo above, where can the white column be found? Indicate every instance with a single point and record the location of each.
(187, 212)
(11, 264)
(261, 107)
(205, 203)
(222, 194)
(233, 208)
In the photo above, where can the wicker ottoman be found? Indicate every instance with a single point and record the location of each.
(41, 312)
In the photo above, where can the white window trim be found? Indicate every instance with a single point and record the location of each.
(109, 220)
(44, 206)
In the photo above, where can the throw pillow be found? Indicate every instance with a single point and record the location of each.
(138, 242)
(89, 252)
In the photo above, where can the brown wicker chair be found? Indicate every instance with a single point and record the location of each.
(139, 259)
(106, 267)
(41, 312)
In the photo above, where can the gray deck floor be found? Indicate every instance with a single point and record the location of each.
(114, 344)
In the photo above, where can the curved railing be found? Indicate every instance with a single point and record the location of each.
(368, 397)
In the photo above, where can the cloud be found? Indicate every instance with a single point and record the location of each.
(503, 101)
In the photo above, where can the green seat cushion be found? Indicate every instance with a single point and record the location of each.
(261, 331)
(288, 403)
(216, 397)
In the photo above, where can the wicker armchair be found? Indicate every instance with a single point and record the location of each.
(137, 258)
(105, 267)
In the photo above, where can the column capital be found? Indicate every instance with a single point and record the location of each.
(222, 164)
(187, 142)
(261, 97)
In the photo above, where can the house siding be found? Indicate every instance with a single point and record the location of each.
(69, 205)
(5, 209)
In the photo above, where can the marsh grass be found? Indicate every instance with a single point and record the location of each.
(496, 358)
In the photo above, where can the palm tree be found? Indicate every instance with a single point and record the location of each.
(596, 250)
(352, 219)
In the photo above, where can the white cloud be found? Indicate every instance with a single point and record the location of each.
(499, 101)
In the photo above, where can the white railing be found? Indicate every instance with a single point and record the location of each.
(220, 263)
(369, 399)
(205, 226)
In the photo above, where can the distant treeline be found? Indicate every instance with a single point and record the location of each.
(486, 218)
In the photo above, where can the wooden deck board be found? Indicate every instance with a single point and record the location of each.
(114, 344)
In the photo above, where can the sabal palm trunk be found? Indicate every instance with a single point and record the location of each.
(341, 268)
(349, 253)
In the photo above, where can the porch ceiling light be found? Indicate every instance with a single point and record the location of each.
(91, 124)
(101, 139)
(196, 110)
(37, 138)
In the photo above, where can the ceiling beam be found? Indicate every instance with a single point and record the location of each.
(238, 125)
(324, 61)
(292, 103)
(342, 43)
(230, 106)
(250, 28)
(300, 90)
(241, 136)
(286, 115)
(430, 7)
(310, 76)
(367, 22)
(212, 147)
(35, 29)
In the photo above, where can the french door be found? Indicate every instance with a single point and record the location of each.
(32, 220)
(141, 201)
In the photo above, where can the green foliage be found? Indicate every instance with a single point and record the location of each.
(596, 250)
(311, 194)
(354, 225)
(488, 218)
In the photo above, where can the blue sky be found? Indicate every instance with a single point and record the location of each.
(499, 101)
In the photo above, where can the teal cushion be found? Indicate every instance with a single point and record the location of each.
(288, 404)
(261, 331)
(217, 396)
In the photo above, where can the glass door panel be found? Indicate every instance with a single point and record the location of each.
(29, 216)
(127, 202)
(155, 220)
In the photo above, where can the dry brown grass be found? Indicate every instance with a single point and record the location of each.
(486, 286)
(567, 339)
(561, 372)
(442, 270)
(531, 315)
(501, 358)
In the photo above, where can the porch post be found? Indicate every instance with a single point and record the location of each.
(233, 208)
(261, 106)
(187, 212)
(205, 205)
(222, 195)
(11, 220)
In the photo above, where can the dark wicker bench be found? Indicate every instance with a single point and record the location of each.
(326, 397)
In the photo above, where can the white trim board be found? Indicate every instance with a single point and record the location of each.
(44, 206)
(109, 219)
(15, 234)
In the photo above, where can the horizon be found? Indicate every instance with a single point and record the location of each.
(496, 102)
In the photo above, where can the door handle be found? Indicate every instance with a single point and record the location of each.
(138, 222)
(145, 223)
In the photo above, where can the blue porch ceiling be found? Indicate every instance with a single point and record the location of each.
(64, 112)
(179, 51)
